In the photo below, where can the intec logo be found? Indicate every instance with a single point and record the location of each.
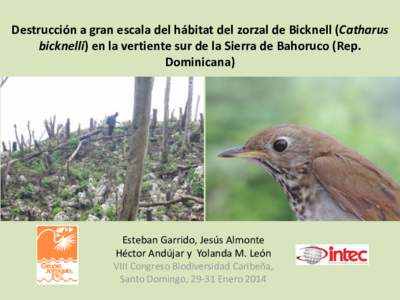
(57, 255)
(332, 254)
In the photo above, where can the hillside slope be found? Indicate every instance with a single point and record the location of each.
(43, 188)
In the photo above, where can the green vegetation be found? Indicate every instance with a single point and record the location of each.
(84, 216)
(111, 214)
(26, 191)
(31, 168)
(66, 194)
(15, 211)
(15, 154)
(57, 158)
(37, 168)
(48, 183)
(196, 183)
(146, 186)
(73, 141)
(56, 210)
(168, 167)
(360, 112)
(119, 130)
(96, 210)
(80, 173)
(57, 202)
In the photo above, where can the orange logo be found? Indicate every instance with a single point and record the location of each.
(57, 255)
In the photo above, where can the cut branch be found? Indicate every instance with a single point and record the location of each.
(71, 158)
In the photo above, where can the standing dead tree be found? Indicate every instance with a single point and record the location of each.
(67, 129)
(30, 141)
(20, 145)
(197, 108)
(164, 153)
(180, 120)
(92, 125)
(50, 126)
(188, 116)
(137, 148)
(202, 123)
(153, 125)
(60, 130)
(23, 144)
(4, 146)
(37, 145)
(47, 162)
(184, 117)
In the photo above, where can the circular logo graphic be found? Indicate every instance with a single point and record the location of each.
(313, 255)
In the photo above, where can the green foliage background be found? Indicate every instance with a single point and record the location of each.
(363, 113)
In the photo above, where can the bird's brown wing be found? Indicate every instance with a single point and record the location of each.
(359, 187)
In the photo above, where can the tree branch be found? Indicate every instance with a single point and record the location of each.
(71, 158)
(3, 81)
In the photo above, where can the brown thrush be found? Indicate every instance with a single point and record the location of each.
(323, 179)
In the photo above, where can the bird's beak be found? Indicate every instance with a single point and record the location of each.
(240, 152)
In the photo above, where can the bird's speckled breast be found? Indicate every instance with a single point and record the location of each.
(298, 195)
(308, 198)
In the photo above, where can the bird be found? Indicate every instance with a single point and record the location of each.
(323, 179)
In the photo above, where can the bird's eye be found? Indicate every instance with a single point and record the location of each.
(280, 145)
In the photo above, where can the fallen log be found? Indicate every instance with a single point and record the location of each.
(58, 147)
(178, 169)
(183, 198)
(193, 198)
(88, 135)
